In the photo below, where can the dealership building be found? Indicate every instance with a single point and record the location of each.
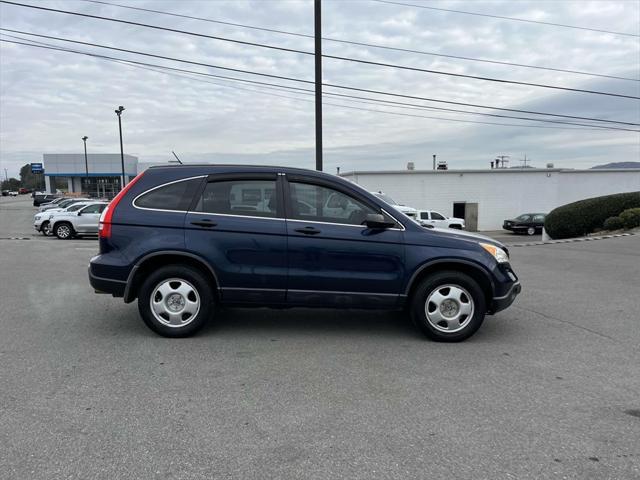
(104, 175)
(484, 198)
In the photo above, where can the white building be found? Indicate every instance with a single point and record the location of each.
(101, 175)
(487, 197)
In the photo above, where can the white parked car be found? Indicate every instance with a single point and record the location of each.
(431, 217)
(408, 211)
(42, 220)
(62, 204)
(13, 193)
(84, 221)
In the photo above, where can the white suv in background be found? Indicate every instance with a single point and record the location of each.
(42, 220)
(408, 211)
(83, 221)
(431, 217)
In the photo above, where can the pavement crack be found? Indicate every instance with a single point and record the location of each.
(586, 329)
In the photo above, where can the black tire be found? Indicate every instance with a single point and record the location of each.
(63, 230)
(44, 227)
(191, 277)
(473, 295)
(531, 231)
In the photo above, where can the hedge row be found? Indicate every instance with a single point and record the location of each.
(582, 217)
(630, 218)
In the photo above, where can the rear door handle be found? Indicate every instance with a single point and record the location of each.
(308, 230)
(205, 223)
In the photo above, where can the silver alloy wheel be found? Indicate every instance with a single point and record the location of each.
(449, 308)
(531, 231)
(45, 229)
(63, 231)
(175, 302)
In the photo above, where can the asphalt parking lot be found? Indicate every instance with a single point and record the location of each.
(549, 388)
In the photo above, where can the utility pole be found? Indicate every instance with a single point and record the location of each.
(501, 159)
(119, 113)
(317, 7)
(525, 160)
(86, 164)
(434, 161)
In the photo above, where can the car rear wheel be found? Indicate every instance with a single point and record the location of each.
(63, 230)
(531, 231)
(448, 306)
(175, 301)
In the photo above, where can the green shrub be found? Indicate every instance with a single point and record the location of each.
(613, 223)
(584, 216)
(631, 217)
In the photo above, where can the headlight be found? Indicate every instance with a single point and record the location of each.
(37, 217)
(499, 254)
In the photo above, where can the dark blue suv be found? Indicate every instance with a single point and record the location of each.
(182, 239)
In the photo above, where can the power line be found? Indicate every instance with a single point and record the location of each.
(310, 92)
(413, 97)
(362, 44)
(506, 18)
(303, 52)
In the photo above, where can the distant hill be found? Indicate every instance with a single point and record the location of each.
(618, 165)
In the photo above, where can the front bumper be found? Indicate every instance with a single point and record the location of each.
(500, 303)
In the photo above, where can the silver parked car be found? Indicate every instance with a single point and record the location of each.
(42, 220)
(62, 204)
(66, 225)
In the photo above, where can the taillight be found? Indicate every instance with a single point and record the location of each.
(104, 227)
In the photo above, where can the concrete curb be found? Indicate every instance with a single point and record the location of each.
(571, 240)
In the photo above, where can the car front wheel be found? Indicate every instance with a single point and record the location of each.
(175, 301)
(448, 306)
(45, 228)
(531, 231)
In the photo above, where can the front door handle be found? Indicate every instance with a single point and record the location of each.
(308, 230)
(205, 223)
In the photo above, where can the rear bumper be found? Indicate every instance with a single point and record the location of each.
(500, 303)
(107, 285)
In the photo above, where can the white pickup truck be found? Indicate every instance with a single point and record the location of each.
(431, 217)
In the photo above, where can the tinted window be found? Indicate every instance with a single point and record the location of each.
(255, 198)
(65, 203)
(524, 218)
(322, 204)
(538, 218)
(174, 196)
(75, 207)
(437, 216)
(424, 215)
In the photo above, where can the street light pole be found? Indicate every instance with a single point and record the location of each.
(86, 164)
(119, 113)
(317, 10)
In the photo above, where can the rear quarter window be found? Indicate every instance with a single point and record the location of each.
(172, 196)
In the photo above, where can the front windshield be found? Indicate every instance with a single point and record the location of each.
(386, 198)
(523, 217)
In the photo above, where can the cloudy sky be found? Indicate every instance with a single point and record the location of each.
(50, 99)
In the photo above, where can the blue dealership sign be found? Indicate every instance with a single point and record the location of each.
(37, 168)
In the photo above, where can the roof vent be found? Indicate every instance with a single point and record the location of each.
(411, 166)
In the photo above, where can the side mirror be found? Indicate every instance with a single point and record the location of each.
(79, 213)
(377, 221)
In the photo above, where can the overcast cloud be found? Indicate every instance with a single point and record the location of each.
(49, 100)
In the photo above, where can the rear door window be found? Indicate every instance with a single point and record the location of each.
(252, 198)
(175, 196)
